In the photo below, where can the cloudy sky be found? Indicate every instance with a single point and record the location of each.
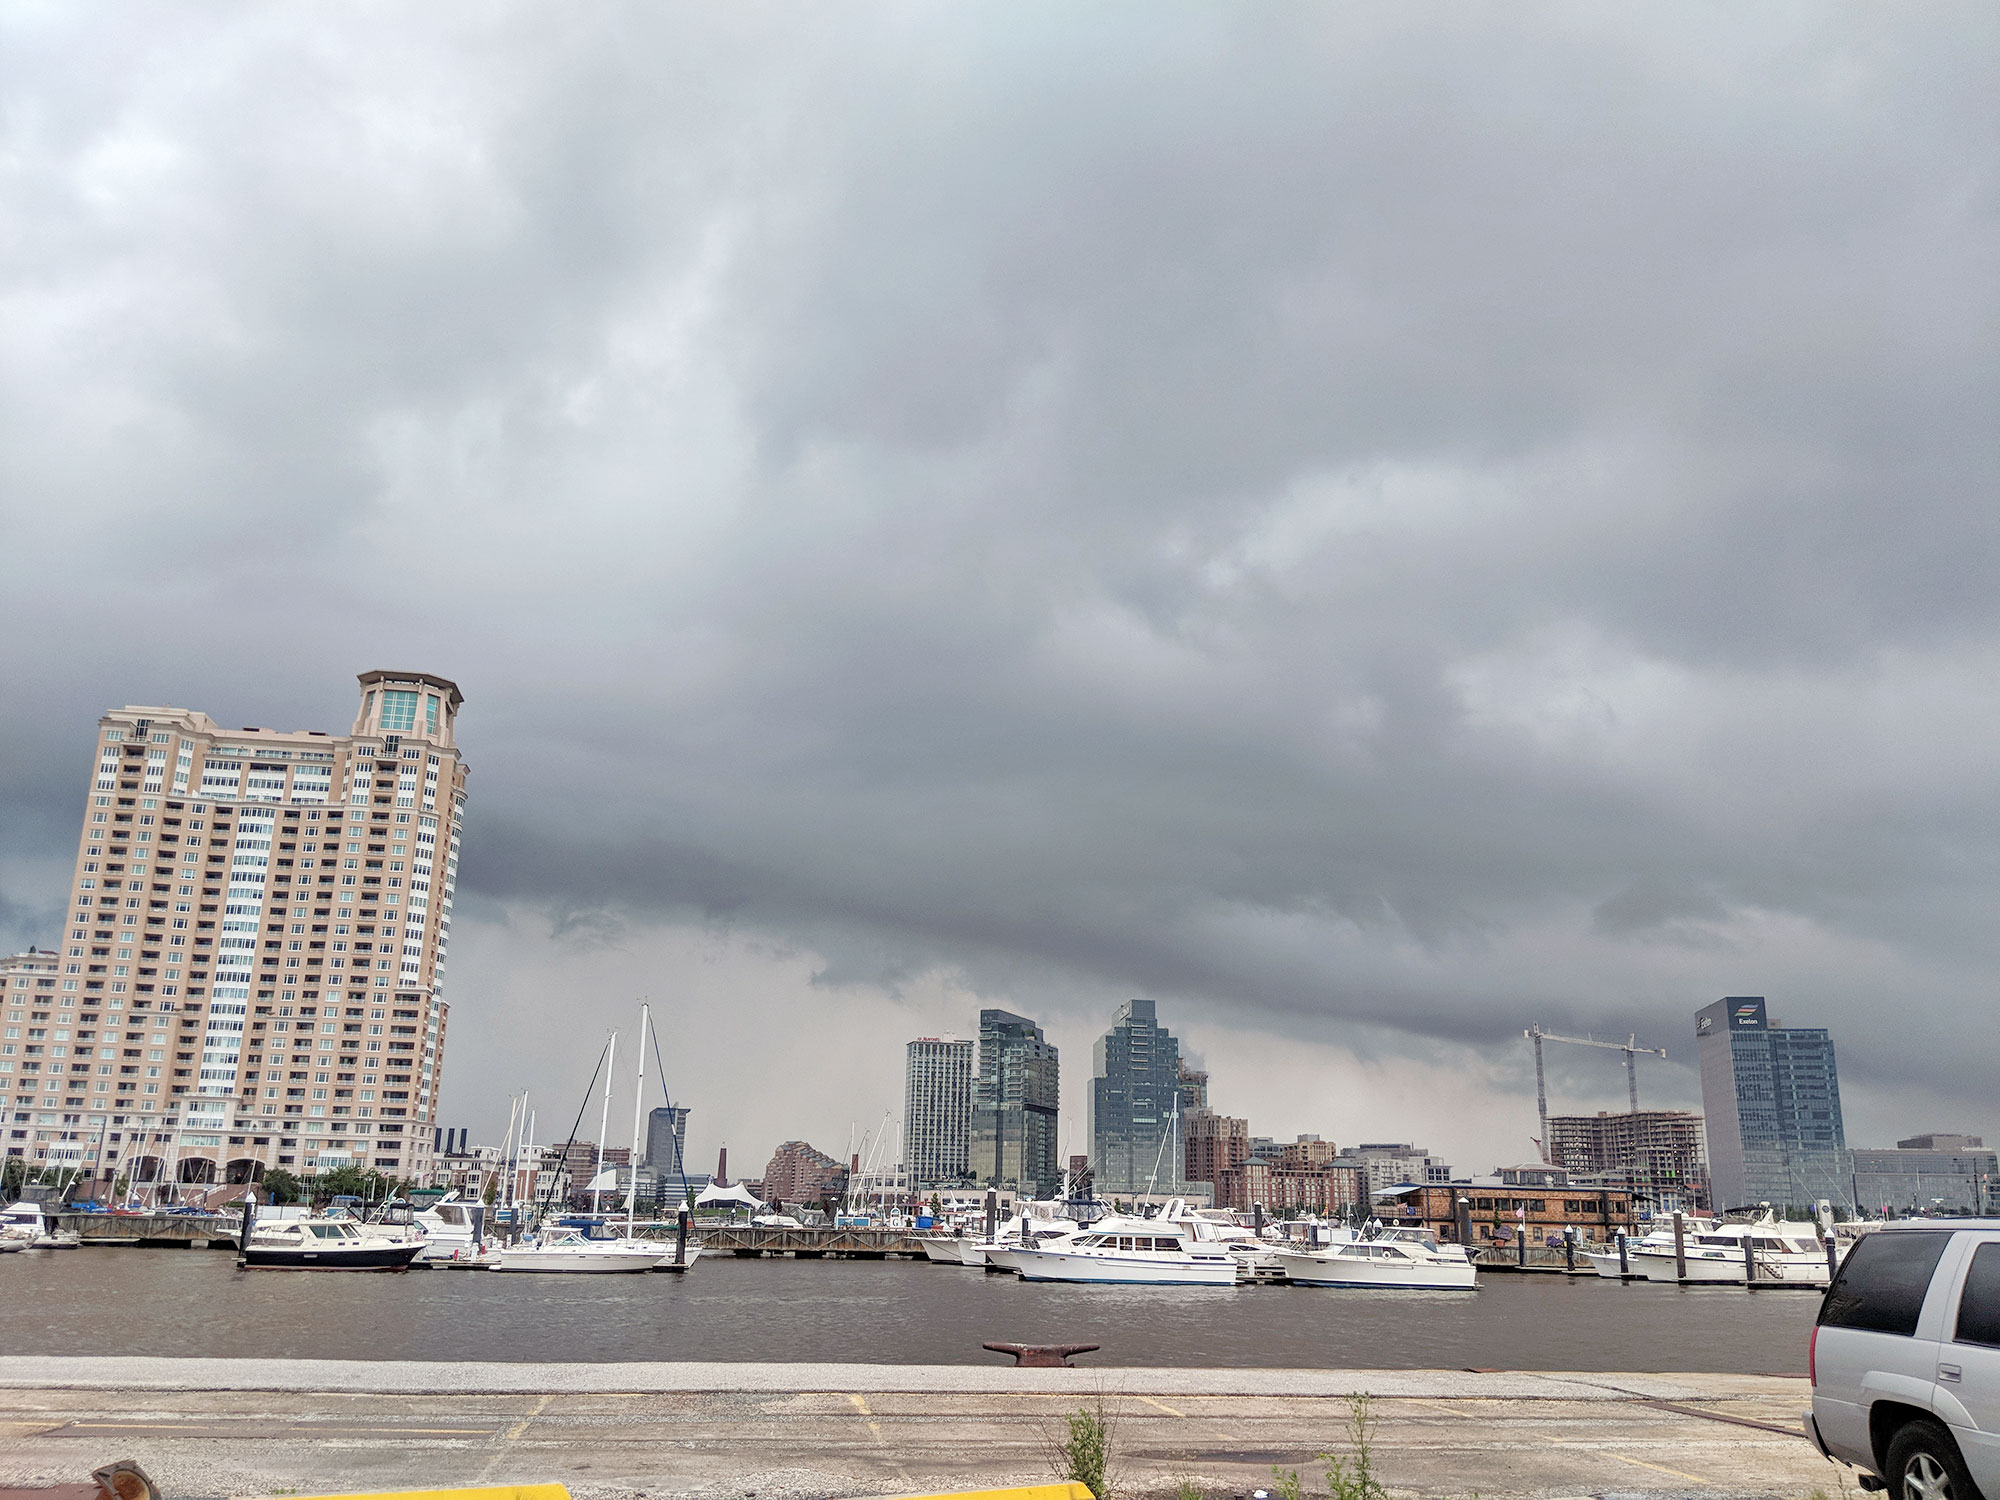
(1369, 525)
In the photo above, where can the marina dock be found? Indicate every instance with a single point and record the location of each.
(153, 1231)
(849, 1244)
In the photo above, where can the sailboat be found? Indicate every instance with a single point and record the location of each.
(663, 1261)
(583, 1245)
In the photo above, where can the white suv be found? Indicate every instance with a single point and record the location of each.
(1905, 1361)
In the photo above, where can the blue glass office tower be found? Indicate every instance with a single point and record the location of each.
(1772, 1098)
(1014, 1101)
(1135, 1126)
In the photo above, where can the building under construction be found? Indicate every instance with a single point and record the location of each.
(1657, 1151)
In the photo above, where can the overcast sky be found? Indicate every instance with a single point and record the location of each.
(1371, 526)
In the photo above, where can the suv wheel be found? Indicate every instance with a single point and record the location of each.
(1924, 1465)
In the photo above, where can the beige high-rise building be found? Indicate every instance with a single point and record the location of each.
(252, 971)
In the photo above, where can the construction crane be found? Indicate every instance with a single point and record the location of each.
(1630, 1047)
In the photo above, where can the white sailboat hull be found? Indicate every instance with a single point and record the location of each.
(561, 1260)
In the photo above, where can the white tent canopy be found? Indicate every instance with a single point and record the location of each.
(736, 1195)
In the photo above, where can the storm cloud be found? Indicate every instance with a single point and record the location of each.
(1371, 526)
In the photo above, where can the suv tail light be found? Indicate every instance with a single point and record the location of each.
(1812, 1360)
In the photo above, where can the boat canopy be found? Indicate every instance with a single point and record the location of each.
(736, 1193)
(1405, 1189)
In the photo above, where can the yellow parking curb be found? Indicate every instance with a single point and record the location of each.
(1070, 1491)
(483, 1492)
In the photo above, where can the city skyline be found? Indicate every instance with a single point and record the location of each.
(1231, 509)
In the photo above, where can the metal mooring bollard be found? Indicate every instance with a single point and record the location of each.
(1041, 1356)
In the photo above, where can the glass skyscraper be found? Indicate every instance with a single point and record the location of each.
(1135, 1126)
(666, 1138)
(1014, 1103)
(1772, 1098)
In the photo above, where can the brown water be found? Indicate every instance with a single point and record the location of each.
(192, 1302)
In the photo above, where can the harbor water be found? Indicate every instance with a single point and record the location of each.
(196, 1303)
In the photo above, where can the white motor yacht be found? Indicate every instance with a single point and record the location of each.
(940, 1249)
(975, 1250)
(1139, 1252)
(325, 1244)
(1410, 1259)
(1784, 1254)
(1605, 1261)
(29, 1226)
(448, 1229)
(1255, 1257)
(570, 1252)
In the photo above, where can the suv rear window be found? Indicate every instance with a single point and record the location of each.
(1882, 1282)
(1979, 1302)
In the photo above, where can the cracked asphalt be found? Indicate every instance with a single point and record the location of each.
(787, 1432)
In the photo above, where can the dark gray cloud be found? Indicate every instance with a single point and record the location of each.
(1370, 526)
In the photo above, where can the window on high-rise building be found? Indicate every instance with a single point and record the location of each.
(399, 710)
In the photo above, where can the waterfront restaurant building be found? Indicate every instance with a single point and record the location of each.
(252, 965)
(1497, 1212)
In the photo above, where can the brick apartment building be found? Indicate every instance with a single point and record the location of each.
(1279, 1187)
(800, 1173)
(575, 1164)
(1214, 1143)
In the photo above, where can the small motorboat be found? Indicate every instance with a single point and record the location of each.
(29, 1226)
(325, 1244)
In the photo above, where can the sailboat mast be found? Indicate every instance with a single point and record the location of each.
(638, 1109)
(529, 1154)
(507, 1154)
(603, 1124)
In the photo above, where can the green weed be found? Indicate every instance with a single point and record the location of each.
(1081, 1449)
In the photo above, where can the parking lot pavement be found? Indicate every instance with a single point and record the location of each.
(726, 1433)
